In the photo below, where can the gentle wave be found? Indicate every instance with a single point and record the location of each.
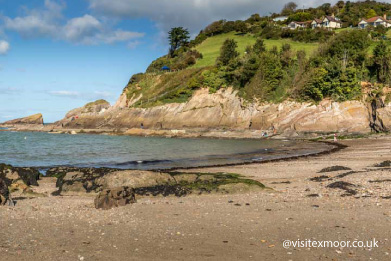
(125, 152)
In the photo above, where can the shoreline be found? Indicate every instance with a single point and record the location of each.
(182, 133)
(308, 200)
(337, 148)
(304, 148)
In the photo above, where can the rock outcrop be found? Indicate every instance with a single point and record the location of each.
(134, 179)
(111, 198)
(90, 181)
(36, 119)
(4, 191)
(14, 179)
(17, 175)
(81, 117)
(225, 110)
(73, 180)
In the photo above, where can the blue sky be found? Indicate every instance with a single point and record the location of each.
(56, 55)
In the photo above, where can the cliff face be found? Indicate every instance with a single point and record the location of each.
(35, 119)
(225, 110)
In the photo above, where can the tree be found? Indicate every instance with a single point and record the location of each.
(259, 46)
(228, 52)
(326, 8)
(178, 37)
(254, 18)
(340, 4)
(241, 26)
(300, 17)
(249, 69)
(289, 8)
(382, 62)
(371, 13)
(214, 28)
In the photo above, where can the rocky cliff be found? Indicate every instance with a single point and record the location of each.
(35, 119)
(225, 110)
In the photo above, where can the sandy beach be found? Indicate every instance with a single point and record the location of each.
(243, 226)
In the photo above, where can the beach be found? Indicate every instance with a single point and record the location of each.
(337, 204)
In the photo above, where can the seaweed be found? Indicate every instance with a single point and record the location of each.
(383, 164)
(320, 178)
(334, 168)
(346, 186)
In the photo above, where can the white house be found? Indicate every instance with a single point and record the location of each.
(331, 22)
(294, 25)
(375, 21)
(316, 23)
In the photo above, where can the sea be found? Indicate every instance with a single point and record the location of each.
(45, 150)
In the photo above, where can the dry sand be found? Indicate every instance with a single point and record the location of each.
(248, 226)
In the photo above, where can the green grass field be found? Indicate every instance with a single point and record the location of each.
(210, 48)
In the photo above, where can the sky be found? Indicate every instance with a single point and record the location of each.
(57, 55)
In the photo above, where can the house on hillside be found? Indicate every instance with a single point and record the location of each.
(375, 21)
(295, 25)
(331, 22)
(316, 23)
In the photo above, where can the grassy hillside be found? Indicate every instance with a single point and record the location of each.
(210, 48)
(158, 89)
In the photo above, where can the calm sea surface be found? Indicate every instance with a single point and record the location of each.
(44, 150)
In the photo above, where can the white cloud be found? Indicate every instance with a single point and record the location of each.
(89, 30)
(30, 26)
(65, 94)
(193, 14)
(82, 28)
(4, 47)
(88, 96)
(37, 22)
(49, 22)
(102, 95)
(134, 44)
(119, 36)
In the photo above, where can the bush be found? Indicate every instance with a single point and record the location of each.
(271, 32)
(308, 35)
(228, 52)
(212, 79)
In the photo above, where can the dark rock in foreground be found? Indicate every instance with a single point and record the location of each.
(111, 198)
(4, 192)
(74, 179)
(18, 175)
(90, 181)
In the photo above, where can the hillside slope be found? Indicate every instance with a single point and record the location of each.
(210, 48)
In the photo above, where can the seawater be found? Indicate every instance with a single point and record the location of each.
(35, 149)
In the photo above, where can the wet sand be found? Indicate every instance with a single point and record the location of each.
(247, 226)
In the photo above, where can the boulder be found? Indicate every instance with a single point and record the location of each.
(111, 198)
(4, 192)
(28, 176)
(73, 180)
(90, 180)
(134, 179)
